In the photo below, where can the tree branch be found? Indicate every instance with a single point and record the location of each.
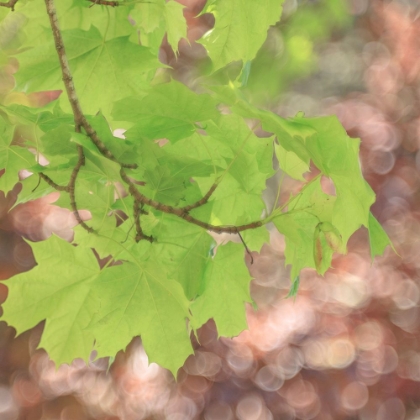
(10, 4)
(139, 231)
(180, 212)
(72, 186)
(202, 201)
(79, 117)
(105, 3)
(51, 183)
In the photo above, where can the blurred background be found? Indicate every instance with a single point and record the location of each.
(348, 346)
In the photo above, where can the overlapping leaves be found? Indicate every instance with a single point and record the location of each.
(184, 144)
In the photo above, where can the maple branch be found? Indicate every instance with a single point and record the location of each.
(10, 4)
(79, 118)
(139, 231)
(202, 201)
(104, 3)
(180, 212)
(71, 188)
(51, 183)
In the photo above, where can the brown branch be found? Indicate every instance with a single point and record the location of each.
(79, 117)
(51, 183)
(72, 185)
(180, 212)
(10, 4)
(202, 201)
(104, 3)
(139, 231)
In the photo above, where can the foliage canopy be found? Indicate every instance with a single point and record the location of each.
(152, 206)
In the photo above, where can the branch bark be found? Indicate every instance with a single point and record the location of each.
(180, 212)
(10, 4)
(105, 3)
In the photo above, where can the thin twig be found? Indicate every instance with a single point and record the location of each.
(104, 3)
(72, 186)
(10, 4)
(246, 248)
(202, 201)
(137, 195)
(139, 231)
(51, 183)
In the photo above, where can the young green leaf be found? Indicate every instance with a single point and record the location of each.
(225, 290)
(139, 299)
(240, 29)
(12, 158)
(103, 71)
(57, 290)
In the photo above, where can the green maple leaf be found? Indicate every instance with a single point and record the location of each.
(290, 163)
(252, 157)
(183, 248)
(298, 229)
(176, 26)
(57, 290)
(378, 238)
(240, 29)
(43, 119)
(306, 212)
(157, 17)
(169, 110)
(73, 14)
(56, 144)
(325, 142)
(12, 158)
(229, 204)
(225, 290)
(138, 299)
(203, 148)
(148, 16)
(162, 186)
(103, 71)
(337, 156)
(107, 239)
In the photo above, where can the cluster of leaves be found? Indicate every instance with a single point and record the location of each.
(152, 206)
